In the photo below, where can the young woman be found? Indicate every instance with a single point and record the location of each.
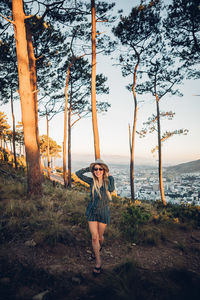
(98, 213)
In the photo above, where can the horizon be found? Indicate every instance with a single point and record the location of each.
(120, 160)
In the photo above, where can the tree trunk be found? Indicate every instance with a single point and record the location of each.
(132, 152)
(27, 102)
(48, 157)
(160, 153)
(20, 149)
(65, 131)
(69, 143)
(93, 84)
(11, 149)
(13, 118)
(33, 81)
(132, 143)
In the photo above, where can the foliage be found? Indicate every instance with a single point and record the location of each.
(54, 148)
(182, 25)
(8, 60)
(132, 219)
(4, 126)
(137, 33)
(80, 88)
(185, 213)
(150, 127)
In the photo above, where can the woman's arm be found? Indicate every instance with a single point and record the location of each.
(111, 185)
(80, 175)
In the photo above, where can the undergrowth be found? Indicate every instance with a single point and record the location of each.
(49, 219)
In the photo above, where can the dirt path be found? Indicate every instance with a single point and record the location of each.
(49, 268)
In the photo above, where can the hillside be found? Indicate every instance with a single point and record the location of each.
(150, 252)
(189, 167)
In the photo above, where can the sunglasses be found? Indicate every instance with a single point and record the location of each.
(96, 169)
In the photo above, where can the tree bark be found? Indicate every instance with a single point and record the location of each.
(65, 130)
(132, 143)
(93, 84)
(160, 153)
(27, 102)
(48, 157)
(13, 140)
(33, 81)
(69, 143)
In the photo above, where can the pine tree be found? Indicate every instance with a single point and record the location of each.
(137, 33)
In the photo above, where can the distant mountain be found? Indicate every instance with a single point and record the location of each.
(189, 167)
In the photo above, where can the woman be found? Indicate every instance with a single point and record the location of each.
(98, 213)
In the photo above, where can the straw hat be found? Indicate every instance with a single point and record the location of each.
(99, 162)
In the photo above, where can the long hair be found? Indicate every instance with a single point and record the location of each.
(105, 183)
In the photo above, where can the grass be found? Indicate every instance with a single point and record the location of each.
(46, 219)
(42, 218)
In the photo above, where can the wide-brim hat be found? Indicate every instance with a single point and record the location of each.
(99, 162)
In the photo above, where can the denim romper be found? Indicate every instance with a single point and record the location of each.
(97, 209)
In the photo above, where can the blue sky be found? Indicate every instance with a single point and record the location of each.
(113, 125)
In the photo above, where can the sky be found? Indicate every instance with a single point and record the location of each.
(113, 125)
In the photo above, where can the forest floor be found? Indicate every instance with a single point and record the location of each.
(170, 270)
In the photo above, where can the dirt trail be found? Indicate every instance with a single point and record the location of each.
(67, 270)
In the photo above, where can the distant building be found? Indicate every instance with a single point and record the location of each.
(155, 187)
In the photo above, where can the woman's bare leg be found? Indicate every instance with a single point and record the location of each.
(93, 227)
(101, 229)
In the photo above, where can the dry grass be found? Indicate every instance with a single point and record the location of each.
(47, 219)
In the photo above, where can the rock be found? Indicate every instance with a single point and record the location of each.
(40, 296)
(5, 280)
(56, 268)
(90, 258)
(76, 280)
(89, 251)
(30, 243)
(108, 252)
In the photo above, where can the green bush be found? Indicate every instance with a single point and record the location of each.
(132, 218)
(185, 213)
(78, 218)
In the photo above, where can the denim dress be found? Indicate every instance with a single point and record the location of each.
(98, 208)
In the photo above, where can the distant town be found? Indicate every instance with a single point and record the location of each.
(179, 188)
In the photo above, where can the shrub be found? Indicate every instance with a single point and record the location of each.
(53, 234)
(151, 235)
(185, 213)
(132, 218)
(78, 218)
